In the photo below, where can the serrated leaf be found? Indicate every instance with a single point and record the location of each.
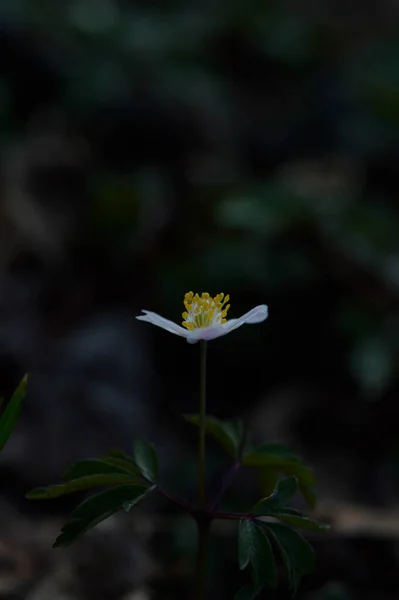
(254, 547)
(115, 497)
(287, 510)
(97, 508)
(11, 412)
(278, 458)
(127, 506)
(74, 485)
(283, 492)
(300, 522)
(145, 457)
(120, 455)
(280, 451)
(249, 592)
(297, 554)
(258, 458)
(304, 474)
(123, 461)
(75, 528)
(229, 434)
(262, 560)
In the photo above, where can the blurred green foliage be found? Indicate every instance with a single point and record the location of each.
(244, 147)
(248, 147)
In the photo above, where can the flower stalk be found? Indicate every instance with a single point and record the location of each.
(202, 419)
(203, 525)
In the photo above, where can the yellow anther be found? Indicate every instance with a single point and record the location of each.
(204, 311)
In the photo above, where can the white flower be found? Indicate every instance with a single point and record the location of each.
(205, 318)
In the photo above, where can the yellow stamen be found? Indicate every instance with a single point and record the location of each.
(204, 311)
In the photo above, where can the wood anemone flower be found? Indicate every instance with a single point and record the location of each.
(205, 318)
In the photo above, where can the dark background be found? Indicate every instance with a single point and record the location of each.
(151, 148)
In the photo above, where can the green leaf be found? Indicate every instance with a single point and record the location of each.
(261, 458)
(262, 559)
(300, 522)
(297, 554)
(97, 508)
(254, 547)
(249, 592)
(289, 511)
(278, 458)
(127, 506)
(283, 492)
(74, 485)
(278, 451)
(11, 412)
(146, 459)
(229, 434)
(109, 499)
(122, 460)
(75, 528)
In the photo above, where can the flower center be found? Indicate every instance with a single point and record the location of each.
(204, 311)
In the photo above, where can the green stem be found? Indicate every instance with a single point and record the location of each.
(202, 417)
(203, 525)
(201, 561)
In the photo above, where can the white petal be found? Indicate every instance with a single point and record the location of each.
(151, 317)
(206, 333)
(191, 339)
(256, 315)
